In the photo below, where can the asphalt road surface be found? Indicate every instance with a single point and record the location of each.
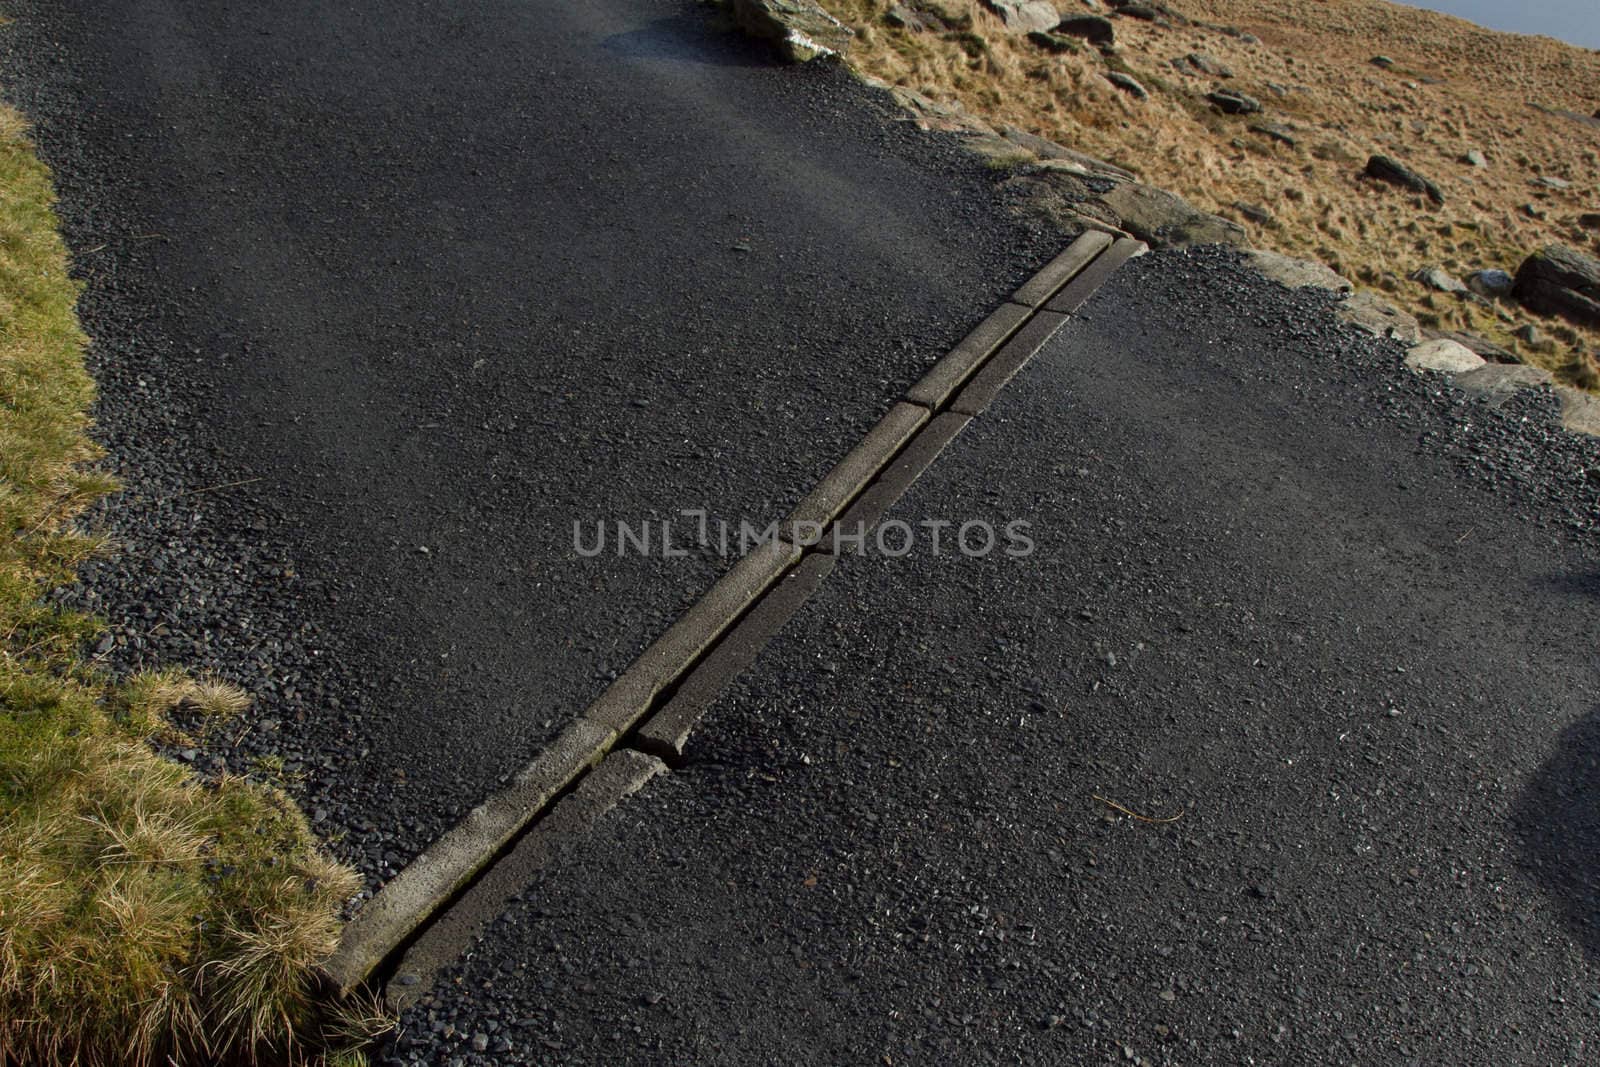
(1333, 621)
(385, 298)
(369, 282)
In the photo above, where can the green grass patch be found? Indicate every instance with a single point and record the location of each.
(146, 917)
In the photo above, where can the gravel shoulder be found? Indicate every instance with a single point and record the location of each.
(1332, 616)
(383, 303)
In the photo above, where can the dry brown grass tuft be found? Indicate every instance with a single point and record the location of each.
(145, 917)
(1310, 66)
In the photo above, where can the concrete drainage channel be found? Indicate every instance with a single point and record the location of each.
(428, 914)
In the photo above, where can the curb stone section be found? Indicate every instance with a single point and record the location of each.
(823, 504)
(1080, 289)
(628, 699)
(1059, 271)
(666, 732)
(949, 373)
(987, 383)
(430, 880)
(892, 484)
(623, 772)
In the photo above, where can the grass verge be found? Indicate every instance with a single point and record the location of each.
(145, 917)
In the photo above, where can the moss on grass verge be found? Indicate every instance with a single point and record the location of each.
(145, 917)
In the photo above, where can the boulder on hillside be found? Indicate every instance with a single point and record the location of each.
(1234, 103)
(1491, 284)
(1128, 84)
(1091, 28)
(1277, 131)
(1439, 280)
(801, 29)
(1395, 173)
(1054, 43)
(1557, 280)
(1164, 220)
(1025, 16)
(1205, 63)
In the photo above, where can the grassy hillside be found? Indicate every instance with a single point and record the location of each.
(1451, 89)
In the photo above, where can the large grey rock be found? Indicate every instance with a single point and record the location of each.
(1396, 173)
(1295, 273)
(801, 29)
(1557, 280)
(1380, 318)
(1491, 284)
(1443, 355)
(1165, 220)
(1500, 383)
(1025, 16)
(1091, 28)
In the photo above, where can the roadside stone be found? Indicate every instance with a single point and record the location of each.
(1438, 280)
(1558, 280)
(1092, 28)
(1048, 150)
(1590, 220)
(1491, 352)
(1443, 355)
(1128, 84)
(1474, 158)
(1580, 410)
(1392, 171)
(1025, 16)
(1381, 318)
(1234, 103)
(1382, 61)
(1296, 273)
(1551, 182)
(1500, 383)
(1164, 220)
(801, 29)
(1491, 284)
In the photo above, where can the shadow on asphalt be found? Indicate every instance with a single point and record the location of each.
(682, 39)
(1558, 817)
(1579, 584)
